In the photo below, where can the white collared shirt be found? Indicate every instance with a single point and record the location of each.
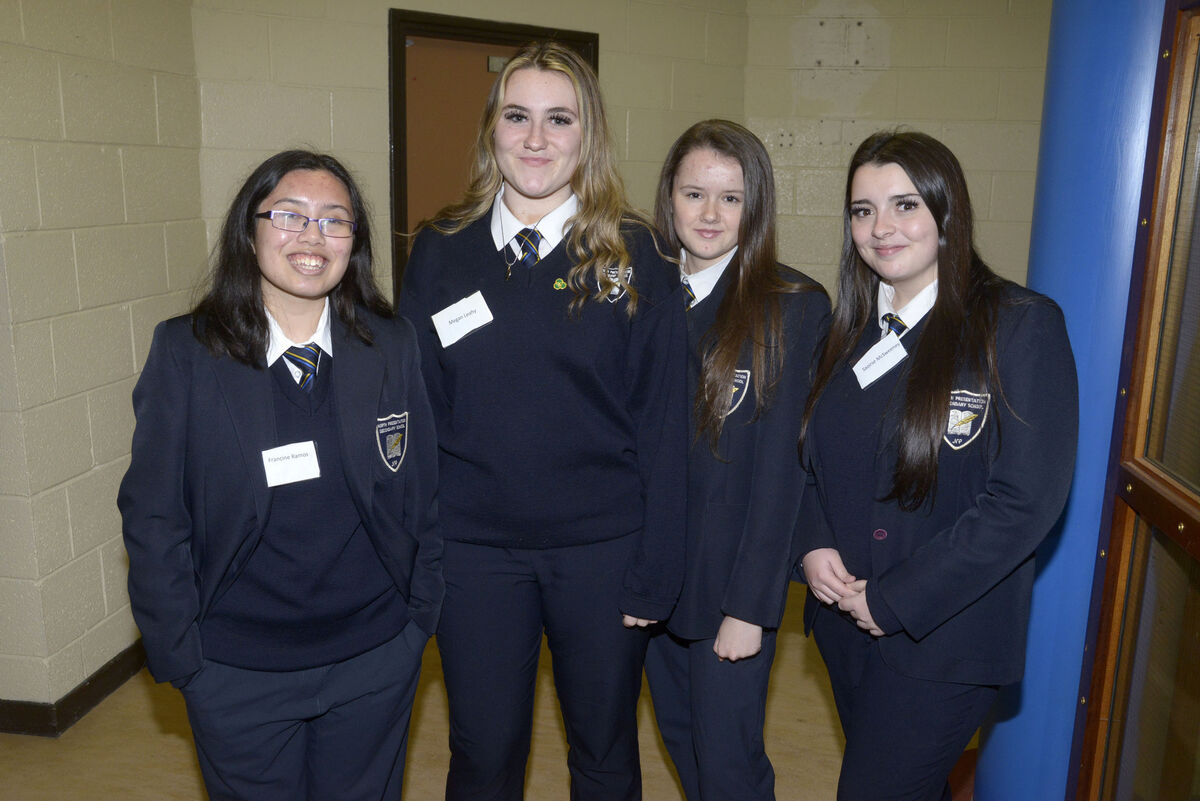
(553, 227)
(912, 313)
(278, 341)
(704, 281)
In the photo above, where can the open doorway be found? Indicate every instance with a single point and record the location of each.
(441, 70)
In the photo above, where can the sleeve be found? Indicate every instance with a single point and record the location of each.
(155, 518)
(427, 586)
(415, 303)
(812, 526)
(657, 356)
(756, 591)
(1026, 488)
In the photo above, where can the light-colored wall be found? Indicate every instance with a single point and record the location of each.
(822, 75)
(100, 237)
(126, 125)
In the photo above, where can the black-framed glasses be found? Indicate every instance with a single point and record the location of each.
(291, 221)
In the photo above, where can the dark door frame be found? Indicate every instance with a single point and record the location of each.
(401, 25)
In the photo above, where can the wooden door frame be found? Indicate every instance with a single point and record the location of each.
(1134, 488)
(401, 25)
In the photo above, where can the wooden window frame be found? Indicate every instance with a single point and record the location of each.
(1142, 489)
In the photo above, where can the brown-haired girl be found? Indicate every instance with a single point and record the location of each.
(940, 435)
(754, 327)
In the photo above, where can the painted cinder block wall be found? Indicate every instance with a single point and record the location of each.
(125, 126)
(101, 237)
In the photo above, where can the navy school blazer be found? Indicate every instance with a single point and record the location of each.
(744, 501)
(194, 501)
(950, 584)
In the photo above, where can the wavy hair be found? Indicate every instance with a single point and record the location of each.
(595, 243)
(749, 317)
(959, 331)
(230, 318)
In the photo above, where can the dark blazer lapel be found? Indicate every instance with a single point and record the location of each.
(247, 395)
(358, 384)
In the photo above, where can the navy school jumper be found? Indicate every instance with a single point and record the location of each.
(558, 427)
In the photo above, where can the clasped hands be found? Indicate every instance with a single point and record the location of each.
(829, 580)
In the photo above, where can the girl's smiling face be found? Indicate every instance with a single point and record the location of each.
(707, 196)
(537, 141)
(893, 230)
(301, 267)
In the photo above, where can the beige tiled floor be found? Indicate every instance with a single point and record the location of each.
(136, 745)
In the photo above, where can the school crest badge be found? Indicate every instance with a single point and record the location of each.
(968, 413)
(391, 435)
(618, 291)
(741, 385)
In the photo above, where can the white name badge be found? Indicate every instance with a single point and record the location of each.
(459, 319)
(883, 356)
(288, 464)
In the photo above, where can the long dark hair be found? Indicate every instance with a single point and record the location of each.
(749, 316)
(230, 319)
(959, 332)
(600, 256)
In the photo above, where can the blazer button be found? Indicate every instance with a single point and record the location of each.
(879, 534)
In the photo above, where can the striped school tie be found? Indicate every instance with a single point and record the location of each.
(689, 297)
(529, 239)
(894, 323)
(305, 358)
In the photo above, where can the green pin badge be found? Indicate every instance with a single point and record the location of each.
(560, 283)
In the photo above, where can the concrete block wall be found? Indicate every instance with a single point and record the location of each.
(821, 76)
(100, 236)
(278, 73)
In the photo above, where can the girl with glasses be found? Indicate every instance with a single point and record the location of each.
(278, 509)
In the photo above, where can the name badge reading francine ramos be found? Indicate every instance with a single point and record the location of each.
(288, 464)
(459, 319)
(883, 356)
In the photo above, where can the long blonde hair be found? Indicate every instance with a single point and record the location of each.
(595, 243)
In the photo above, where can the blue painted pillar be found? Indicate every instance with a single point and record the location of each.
(1095, 121)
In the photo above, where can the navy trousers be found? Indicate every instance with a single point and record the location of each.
(903, 735)
(498, 603)
(711, 715)
(337, 731)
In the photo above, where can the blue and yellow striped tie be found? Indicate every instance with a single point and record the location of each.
(689, 297)
(305, 358)
(894, 323)
(529, 239)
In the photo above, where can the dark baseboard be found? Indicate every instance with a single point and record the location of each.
(51, 720)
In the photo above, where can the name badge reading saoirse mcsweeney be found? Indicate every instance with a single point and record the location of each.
(391, 435)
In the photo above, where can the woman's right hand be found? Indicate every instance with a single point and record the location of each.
(826, 575)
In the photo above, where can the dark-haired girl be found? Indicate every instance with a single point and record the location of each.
(940, 434)
(754, 327)
(279, 512)
(552, 336)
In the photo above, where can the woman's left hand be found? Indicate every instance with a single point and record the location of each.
(636, 622)
(856, 604)
(737, 639)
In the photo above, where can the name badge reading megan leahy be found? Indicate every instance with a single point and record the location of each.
(459, 319)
